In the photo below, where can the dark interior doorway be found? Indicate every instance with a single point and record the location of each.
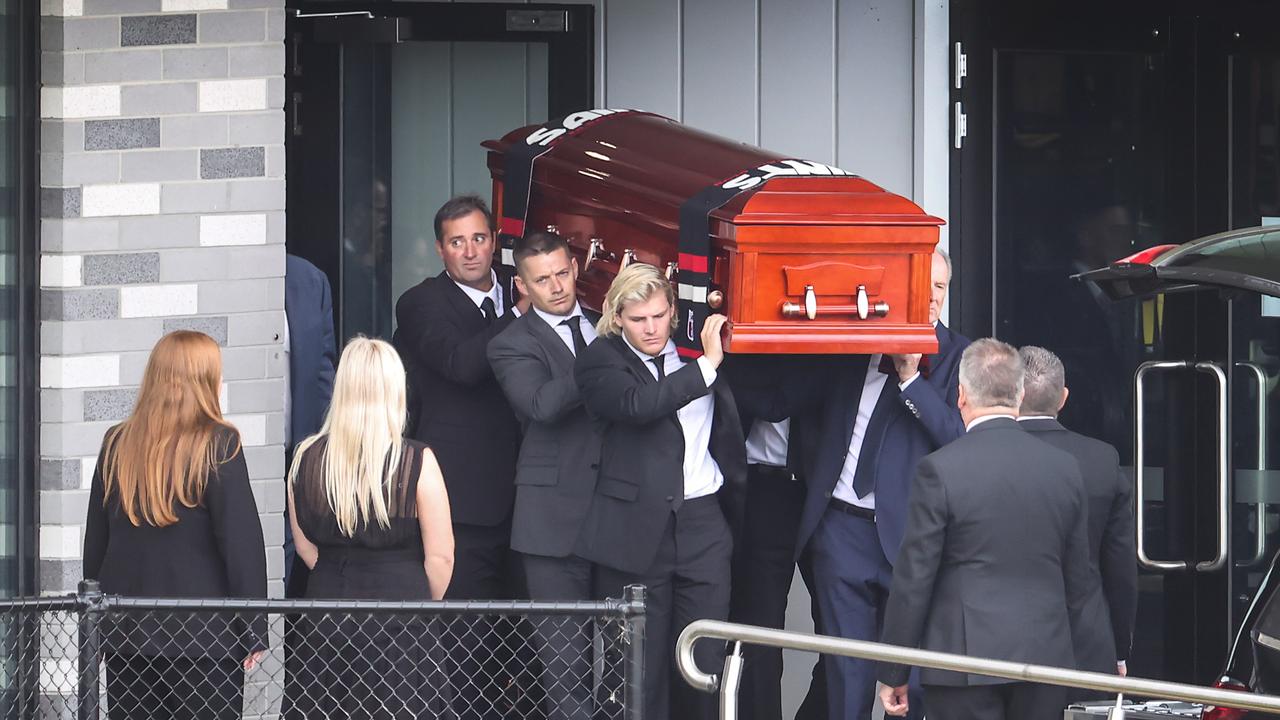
(387, 103)
(1094, 130)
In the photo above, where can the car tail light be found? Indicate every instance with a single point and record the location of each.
(1221, 713)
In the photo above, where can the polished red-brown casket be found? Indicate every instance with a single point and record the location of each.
(811, 262)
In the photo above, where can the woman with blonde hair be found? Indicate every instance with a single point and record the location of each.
(371, 519)
(171, 514)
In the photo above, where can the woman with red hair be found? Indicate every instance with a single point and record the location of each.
(171, 514)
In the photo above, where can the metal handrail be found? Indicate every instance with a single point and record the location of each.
(880, 652)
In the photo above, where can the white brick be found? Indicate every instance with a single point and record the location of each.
(87, 466)
(185, 5)
(233, 95)
(61, 270)
(158, 300)
(120, 199)
(80, 371)
(61, 542)
(85, 101)
(222, 396)
(253, 428)
(63, 8)
(216, 230)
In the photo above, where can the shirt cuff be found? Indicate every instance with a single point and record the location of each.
(708, 372)
(908, 381)
(1122, 664)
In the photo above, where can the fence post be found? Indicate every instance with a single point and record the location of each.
(633, 597)
(92, 607)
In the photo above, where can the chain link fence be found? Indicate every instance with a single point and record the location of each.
(99, 656)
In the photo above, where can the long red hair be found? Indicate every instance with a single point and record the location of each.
(163, 453)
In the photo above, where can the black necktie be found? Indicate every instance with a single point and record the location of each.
(486, 307)
(660, 363)
(575, 328)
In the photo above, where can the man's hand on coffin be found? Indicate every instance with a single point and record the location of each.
(906, 365)
(712, 345)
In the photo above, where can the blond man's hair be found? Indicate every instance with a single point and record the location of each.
(636, 283)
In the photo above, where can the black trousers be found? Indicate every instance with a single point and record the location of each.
(142, 687)
(495, 672)
(1007, 701)
(764, 566)
(564, 643)
(689, 580)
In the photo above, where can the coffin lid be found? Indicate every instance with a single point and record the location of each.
(650, 154)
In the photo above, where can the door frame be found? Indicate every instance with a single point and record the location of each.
(314, 120)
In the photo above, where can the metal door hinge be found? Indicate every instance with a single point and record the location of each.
(961, 66)
(961, 126)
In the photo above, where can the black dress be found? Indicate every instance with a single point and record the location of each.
(365, 665)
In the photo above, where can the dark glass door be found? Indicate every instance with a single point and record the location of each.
(1096, 130)
(388, 104)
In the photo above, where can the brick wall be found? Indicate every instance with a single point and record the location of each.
(162, 181)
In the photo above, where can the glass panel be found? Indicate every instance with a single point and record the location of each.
(447, 98)
(1080, 161)
(1255, 200)
(9, 477)
(1255, 254)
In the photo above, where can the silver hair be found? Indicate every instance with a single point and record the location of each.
(991, 373)
(1043, 381)
(945, 256)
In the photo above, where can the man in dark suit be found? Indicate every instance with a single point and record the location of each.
(533, 361)
(881, 414)
(765, 550)
(313, 355)
(443, 327)
(673, 452)
(1111, 534)
(995, 561)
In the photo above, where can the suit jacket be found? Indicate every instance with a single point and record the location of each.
(308, 308)
(214, 550)
(456, 404)
(995, 563)
(560, 452)
(911, 424)
(642, 457)
(1111, 533)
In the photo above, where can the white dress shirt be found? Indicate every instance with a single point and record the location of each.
(979, 420)
(872, 386)
(588, 330)
(1020, 418)
(478, 296)
(702, 475)
(767, 443)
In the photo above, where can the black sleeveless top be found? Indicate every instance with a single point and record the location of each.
(319, 524)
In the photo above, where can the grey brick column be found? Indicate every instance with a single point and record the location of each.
(162, 174)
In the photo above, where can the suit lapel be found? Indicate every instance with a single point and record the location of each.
(636, 365)
(462, 304)
(549, 338)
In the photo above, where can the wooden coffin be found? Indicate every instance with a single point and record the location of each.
(807, 263)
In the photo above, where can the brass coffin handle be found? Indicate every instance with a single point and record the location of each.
(808, 310)
(863, 308)
(672, 267)
(628, 257)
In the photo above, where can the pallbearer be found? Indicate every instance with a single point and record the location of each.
(671, 469)
(533, 361)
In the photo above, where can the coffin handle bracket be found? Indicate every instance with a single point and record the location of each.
(596, 251)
